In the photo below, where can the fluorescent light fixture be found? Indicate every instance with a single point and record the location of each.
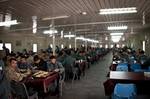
(115, 34)
(117, 28)
(115, 38)
(34, 26)
(69, 36)
(118, 10)
(56, 17)
(50, 32)
(8, 23)
(84, 13)
(79, 38)
(87, 39)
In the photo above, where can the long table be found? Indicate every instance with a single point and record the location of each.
(142, 82)
(42, 84)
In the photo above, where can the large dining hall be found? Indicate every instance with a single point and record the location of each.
(74, 49)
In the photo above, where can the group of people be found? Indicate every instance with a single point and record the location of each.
(63, 62)
(131, 56)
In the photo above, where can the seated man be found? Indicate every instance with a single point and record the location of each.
(39, 63)
(13, 73)
(142, 57)
(146, 64)
(53, 65)
(23, 63)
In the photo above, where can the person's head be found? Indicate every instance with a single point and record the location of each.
(23, 59)
(13, 62)
(36, 59)
(141, 52)
(81, 53)
(53, 59)
(68, 52)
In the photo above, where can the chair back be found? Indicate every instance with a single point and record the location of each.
(135, 66)
(124, 91)
(122, 68)
(19, 90)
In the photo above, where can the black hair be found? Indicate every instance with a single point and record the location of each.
(52, 57)
(36, 57)
(12, 59)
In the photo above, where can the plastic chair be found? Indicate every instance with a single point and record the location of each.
(123, 64)
(19, 90)
(121, 68)
(124, 91)
(134, 67)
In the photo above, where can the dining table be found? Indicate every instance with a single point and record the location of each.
(140, 79)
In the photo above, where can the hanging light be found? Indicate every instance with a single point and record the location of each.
(69, 36)
(34, 27)
(113, 34)
(51, 31)
(8, 23)
(117, 27)
(118, 10)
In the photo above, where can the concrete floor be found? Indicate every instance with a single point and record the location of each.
(91, 85)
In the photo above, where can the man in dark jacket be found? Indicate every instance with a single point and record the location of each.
(39, 63)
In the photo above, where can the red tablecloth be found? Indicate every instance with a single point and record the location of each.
(42, 83)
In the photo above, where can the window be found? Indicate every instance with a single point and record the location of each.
(112, 46)
(123, 45)
(62, 34)
(100, 46)
(1, 46)
(69, 45)
(51, 45)
(143, 45)
(8, 45)
(62, 46)
(123, 38)
(106, 38)
(106, 46)
(118, 46)
(8, 18)
(34, 47)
